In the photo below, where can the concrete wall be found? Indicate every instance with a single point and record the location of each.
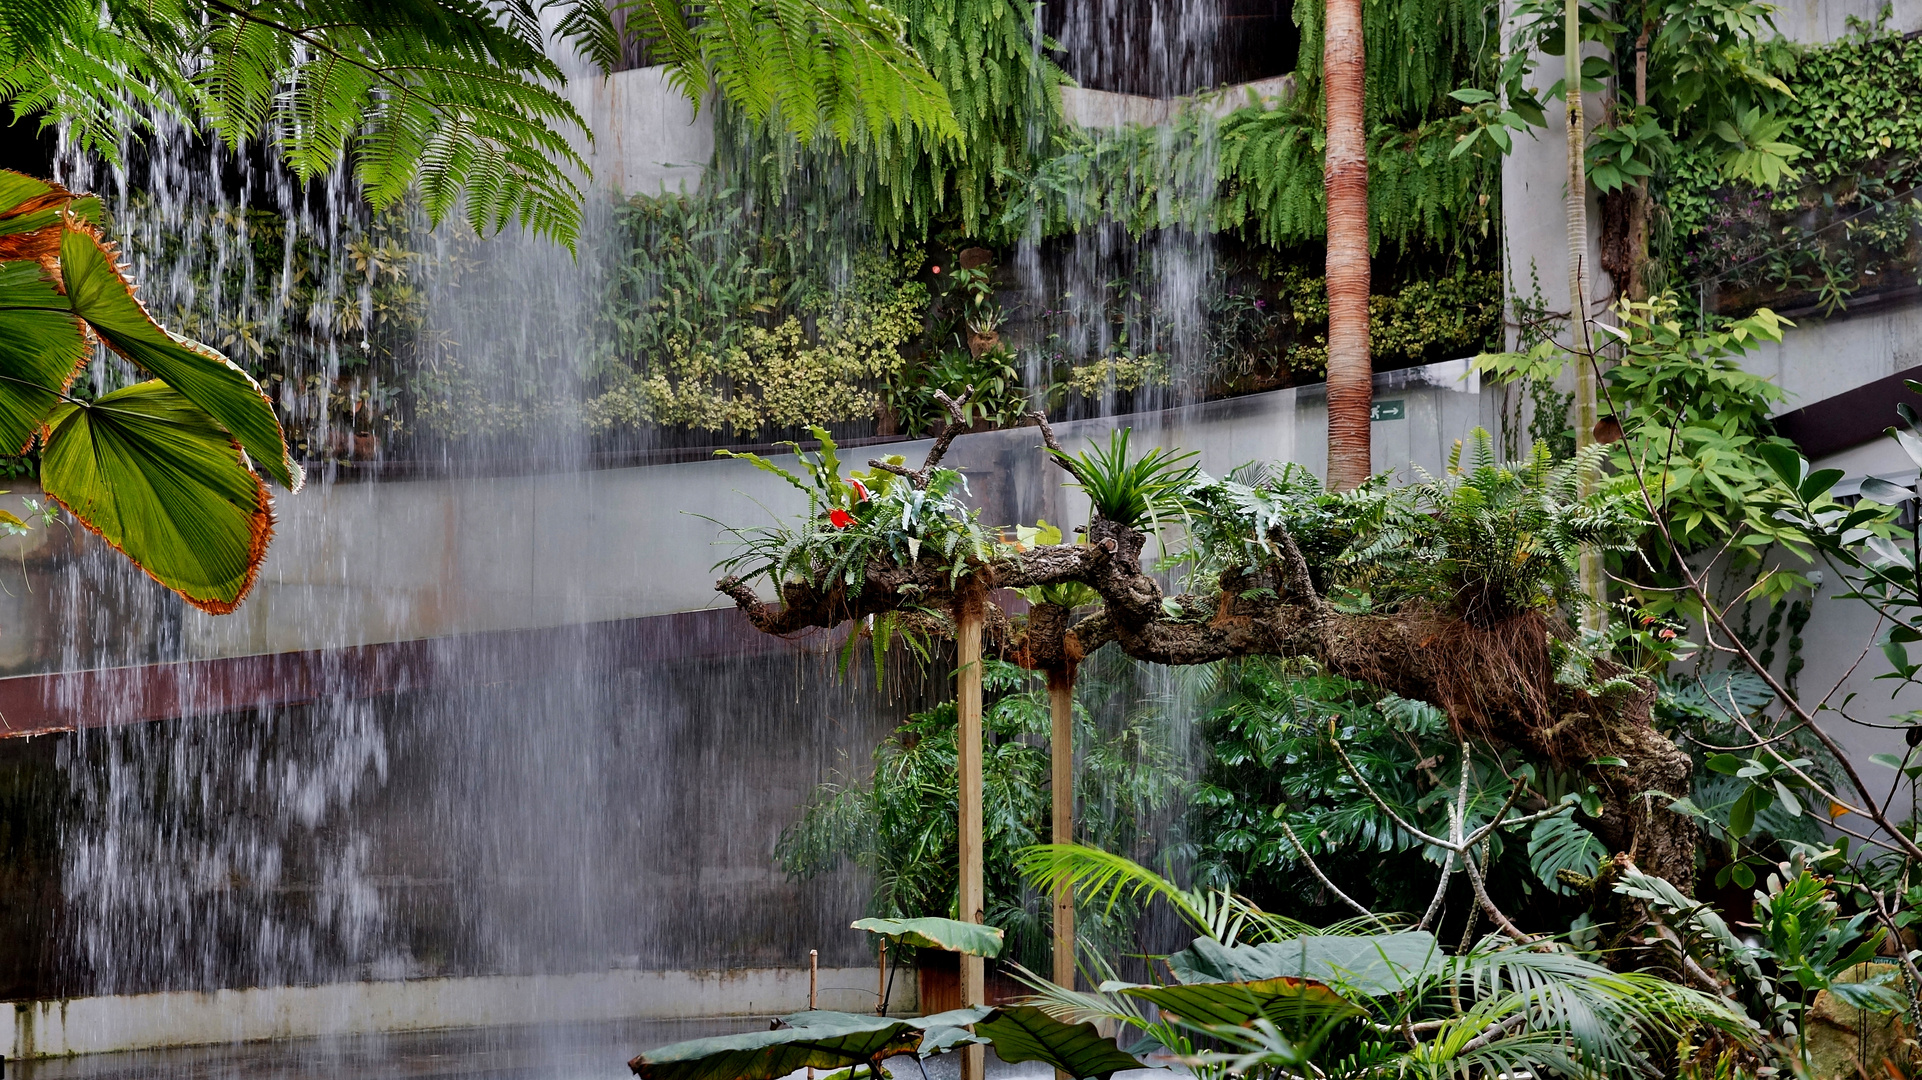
(361, 563)
(45, 1029)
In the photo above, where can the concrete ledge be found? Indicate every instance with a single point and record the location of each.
(189, 1018)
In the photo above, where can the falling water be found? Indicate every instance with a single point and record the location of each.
(1136, 304)
(464, 756)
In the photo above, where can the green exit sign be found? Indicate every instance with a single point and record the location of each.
(1388, 410)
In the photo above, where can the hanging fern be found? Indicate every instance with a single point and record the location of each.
(1267, 161)
(1005, 98)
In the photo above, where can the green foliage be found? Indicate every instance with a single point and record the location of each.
(1691, 417)
(1485, 541)
(1139, 493)
(335, 332)
(1420, 192)
(162, 470)
(456, 100)
(1267, 181)
(716, 320)
(825, 67)
(1506, 538)
(1848, 225)
(1812, 944)
(931, 933)
(1427, 320)
(1693, 420)
(1392, 1005)
(981, 55)
(823, 1039)
(851, 522)
(999, 397)
(1269, 759)
(899, 824)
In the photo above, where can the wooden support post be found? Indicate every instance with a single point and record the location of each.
(1061, 709)
(1061, 754)
(968, 618)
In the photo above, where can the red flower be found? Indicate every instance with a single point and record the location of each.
(860, 491)
(840, 518)
(1666, 634)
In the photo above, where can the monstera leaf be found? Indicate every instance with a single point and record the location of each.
(1237, 1004)
(953, 935)
(1371, 964)
(1025, 1033)
(162, 470)
(826, 1041)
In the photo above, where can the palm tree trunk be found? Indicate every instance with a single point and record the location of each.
(1351, 388)
(968, 618)
(1594, 584)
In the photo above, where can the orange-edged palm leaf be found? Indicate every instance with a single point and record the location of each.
(156, 477)
(104, 299)
(42, 347)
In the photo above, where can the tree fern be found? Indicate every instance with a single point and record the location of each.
(459, 98)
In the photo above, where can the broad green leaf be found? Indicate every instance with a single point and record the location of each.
(1817, 483)
(1372, 964)
(1025, 1033)
(157, 478)
(828, 1041)
(104, 299)
(1879, 490)
(42, 347)
(1741, 816)
(1726, 764)
(1237, 1004)
(1787, 465)
(953, 935)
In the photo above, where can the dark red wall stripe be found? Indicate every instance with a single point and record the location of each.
(43, 704)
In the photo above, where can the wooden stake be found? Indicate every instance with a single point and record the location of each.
(881, 982)
(1061, 753)
(814, 973)
(968, 617)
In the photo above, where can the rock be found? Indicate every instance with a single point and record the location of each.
(1845, 1042)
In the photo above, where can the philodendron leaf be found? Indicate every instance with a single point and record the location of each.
(827, 1041)
(104, 299)
(1372, 964)
(1025, 1033)
(953, 935)
(1237, 1004)
(157, 478)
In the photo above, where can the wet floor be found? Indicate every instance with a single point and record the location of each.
(548, 1052)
